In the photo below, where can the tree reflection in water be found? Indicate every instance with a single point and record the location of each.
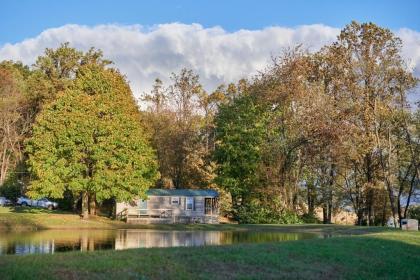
(51, 241)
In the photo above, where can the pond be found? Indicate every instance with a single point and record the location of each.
(52, 241)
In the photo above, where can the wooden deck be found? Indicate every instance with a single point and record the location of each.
(174, 220)
(164, 216)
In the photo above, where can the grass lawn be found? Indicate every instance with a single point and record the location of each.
(378, 255)
(28, 218)
(354, 253)
(31, 218)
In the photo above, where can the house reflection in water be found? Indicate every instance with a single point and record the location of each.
(148, 239)
(52, 241)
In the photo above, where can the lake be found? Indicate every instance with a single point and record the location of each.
(53, 241)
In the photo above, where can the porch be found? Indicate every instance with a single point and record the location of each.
(145, 215)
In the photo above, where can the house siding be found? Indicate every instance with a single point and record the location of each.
(164, 202)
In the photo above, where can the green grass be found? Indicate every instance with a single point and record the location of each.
(28, 218)
(31, 218)
(355, 253)
(379, 255)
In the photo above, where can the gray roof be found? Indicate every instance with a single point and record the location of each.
(182, 192)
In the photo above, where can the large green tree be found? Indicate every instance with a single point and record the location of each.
(89, 141)
(241, 129)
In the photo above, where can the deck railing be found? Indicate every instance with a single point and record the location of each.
(122, 215)
(160, 213)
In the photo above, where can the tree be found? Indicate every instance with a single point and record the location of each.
(369, 82)
(88, 141)
(159, 119)
(55, 70)
(240, 131)
(336, 123)
(179, 118)
(14, 123)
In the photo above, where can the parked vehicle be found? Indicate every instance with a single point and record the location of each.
(5, 202)
(43, 202)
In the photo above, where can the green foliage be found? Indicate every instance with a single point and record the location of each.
(239, 134)
(89, 140)
(387, 255)
(312, 130)
(258, 213)
(414, 212)
(11, 188)
(308, 218)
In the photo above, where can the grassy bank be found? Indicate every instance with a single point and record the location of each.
(27, 219)
(386, 255)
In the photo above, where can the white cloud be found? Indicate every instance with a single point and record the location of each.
(144, 54)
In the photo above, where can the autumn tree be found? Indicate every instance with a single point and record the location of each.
(159, 119)
(180, 118)
(14, 123)
(369, 82)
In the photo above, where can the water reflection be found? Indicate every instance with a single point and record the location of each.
(51, 241)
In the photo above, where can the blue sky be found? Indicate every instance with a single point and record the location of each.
(222, 41)
(27, 18)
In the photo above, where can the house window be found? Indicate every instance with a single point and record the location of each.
(189, 203)
(175, 200)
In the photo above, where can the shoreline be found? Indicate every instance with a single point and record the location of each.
(369, 256)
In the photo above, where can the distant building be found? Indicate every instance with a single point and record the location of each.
(168, 206)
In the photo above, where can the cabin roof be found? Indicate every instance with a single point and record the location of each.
(182, 192)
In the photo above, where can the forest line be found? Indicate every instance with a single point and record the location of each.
(329, 130)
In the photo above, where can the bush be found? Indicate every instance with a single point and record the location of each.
(256, 213)
(11, 188)
(414, 212)
(310, 219)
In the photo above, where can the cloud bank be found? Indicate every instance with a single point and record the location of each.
(218, 56)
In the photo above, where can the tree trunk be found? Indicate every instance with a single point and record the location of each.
(327, 212)
(311, 199)
(75, 201)
(92, 204)
(360, 217)
(370, 194)
(413, 182)
(384, 211)
(85, 205)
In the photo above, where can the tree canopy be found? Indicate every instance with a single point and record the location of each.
(321, 131)
(89, 141)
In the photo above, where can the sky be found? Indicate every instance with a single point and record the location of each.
(222, 41)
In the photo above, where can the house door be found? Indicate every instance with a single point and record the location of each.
(207, 206)
(143, 207)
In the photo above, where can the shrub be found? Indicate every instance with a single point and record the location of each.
(310, 219)
(11, 188)
(257, 213)
(414, 212)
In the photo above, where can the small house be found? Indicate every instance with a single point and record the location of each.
(168, 206)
